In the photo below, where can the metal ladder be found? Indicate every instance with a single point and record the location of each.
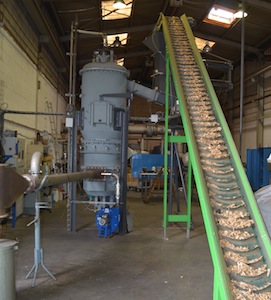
(51, 119)
(53, 130)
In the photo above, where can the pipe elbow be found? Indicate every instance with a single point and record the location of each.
(35, 163)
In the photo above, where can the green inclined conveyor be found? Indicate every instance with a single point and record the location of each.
(238, 240)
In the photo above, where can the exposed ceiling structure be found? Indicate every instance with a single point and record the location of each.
(54, 18)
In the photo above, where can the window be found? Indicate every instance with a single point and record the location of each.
(111, 13)
(122, 38)
(201, 43)
(221, 16)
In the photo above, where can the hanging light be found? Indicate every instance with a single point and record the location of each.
(117, 42)
(118, 4)
(207, 48)
(240, 12)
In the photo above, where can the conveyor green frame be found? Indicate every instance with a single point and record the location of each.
(222, 289)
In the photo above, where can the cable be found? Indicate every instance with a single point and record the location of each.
(156, 48)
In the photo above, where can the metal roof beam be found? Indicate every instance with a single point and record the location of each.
(226, 42)
(259, 3)
(66, 38)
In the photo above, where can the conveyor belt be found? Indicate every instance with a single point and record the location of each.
(242, 238)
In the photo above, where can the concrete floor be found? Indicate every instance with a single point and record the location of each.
(139, 265)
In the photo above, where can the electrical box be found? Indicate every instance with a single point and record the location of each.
(146, 161)
(257, 167)
(14, 152)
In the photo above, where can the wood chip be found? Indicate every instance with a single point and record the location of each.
(235, 223)
(236, 234)
(243, 269)
(236, 257)
(226, 244)
(234, 214)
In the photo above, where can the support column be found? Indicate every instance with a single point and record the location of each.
(123, 228)
(260, 112)
(168, 215)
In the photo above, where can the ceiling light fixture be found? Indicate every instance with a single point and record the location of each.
(117, 42)
(119, 4)
(207, 48)
(240, 13)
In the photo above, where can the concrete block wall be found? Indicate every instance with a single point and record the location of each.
(23, 87)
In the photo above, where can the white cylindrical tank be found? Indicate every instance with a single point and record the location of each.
(103, 95)
(7, 270)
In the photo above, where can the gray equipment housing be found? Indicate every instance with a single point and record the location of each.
(104, 87)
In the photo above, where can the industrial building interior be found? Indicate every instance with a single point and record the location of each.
(135, 149)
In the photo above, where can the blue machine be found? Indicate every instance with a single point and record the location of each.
(147, 161)
(107, 221)
(257, 167)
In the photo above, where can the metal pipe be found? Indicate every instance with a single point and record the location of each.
(72, 163)
(35, 163)
(57, 179)
(74, 60)
(123, 228)
(71, 63)
(7, 111)
(117, 184)
(242, 80)
(147, 129)
(95, 33)
(93, 202)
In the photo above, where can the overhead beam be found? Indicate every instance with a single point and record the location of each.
(226, 42)
(66, 38)
(259, 3)
(120, 55)
(45, 28)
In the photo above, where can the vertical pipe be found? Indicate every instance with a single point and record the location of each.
(74, 62)
(166, 147)
(72, 161)
(74, 130)
(71, 63)
(74, 169)
(171, 171)
(124, 151)
(242, 79)
(69, 185)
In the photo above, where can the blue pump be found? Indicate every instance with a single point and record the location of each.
(107, 221)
